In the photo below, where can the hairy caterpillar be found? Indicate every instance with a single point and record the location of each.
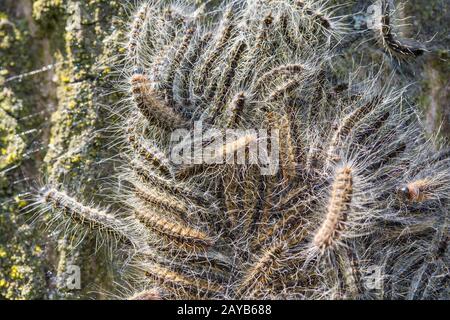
(213, 53)
(392, 43)
(227, 78)
(347, 125)
(337, 210)
(136, 33)
(94, 218)
(173, 230)
(174, 280)
(417, 191)
(150, 153)
(175, 63)
(262, 269)
(152, 107)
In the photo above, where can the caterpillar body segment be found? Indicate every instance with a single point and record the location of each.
(151, 105)
(174, 67)
(227, 80)
(150, 153)
(337, 210)
(173, 230)
(184, 286)
(92, 218)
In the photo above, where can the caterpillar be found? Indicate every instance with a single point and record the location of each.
(174, 65)
(337, 210)
(92, 217)
(269, 76)
(150, 105)
(214, 52)
(171, 279)
(347, 125)
(287, 152)
(258, 50)
(262, 269)
(284, 89)
(136, 33)
(190, 60)
(417, 191)
(228, 75)
(401, 48)
(173, 187)
(150, 153)
(174, 230)
(161, 200)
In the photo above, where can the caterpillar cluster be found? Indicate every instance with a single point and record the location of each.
(358, 183)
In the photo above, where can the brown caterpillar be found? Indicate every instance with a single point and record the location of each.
(289, 37)
(217, 49)
(174, 188)
(94, 218)
(262, 225)
(251, 188)
(155, 157)
(227, 79)
(253, 216)
(230, 190)
(148, 103)
(395, 45)
(417, 191)
(191, 59)
(232, 177)
(287, 152)
(262, 273)
(337, 211)
(262, 269)
(284, 89)
(272, 74)
(167, 277)
(173, 20)
(258, 49)
(163, 201)
(175, 64)
(347, 124)
(135, 33)
(288, 227)
(221, 154)
(173, 230)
